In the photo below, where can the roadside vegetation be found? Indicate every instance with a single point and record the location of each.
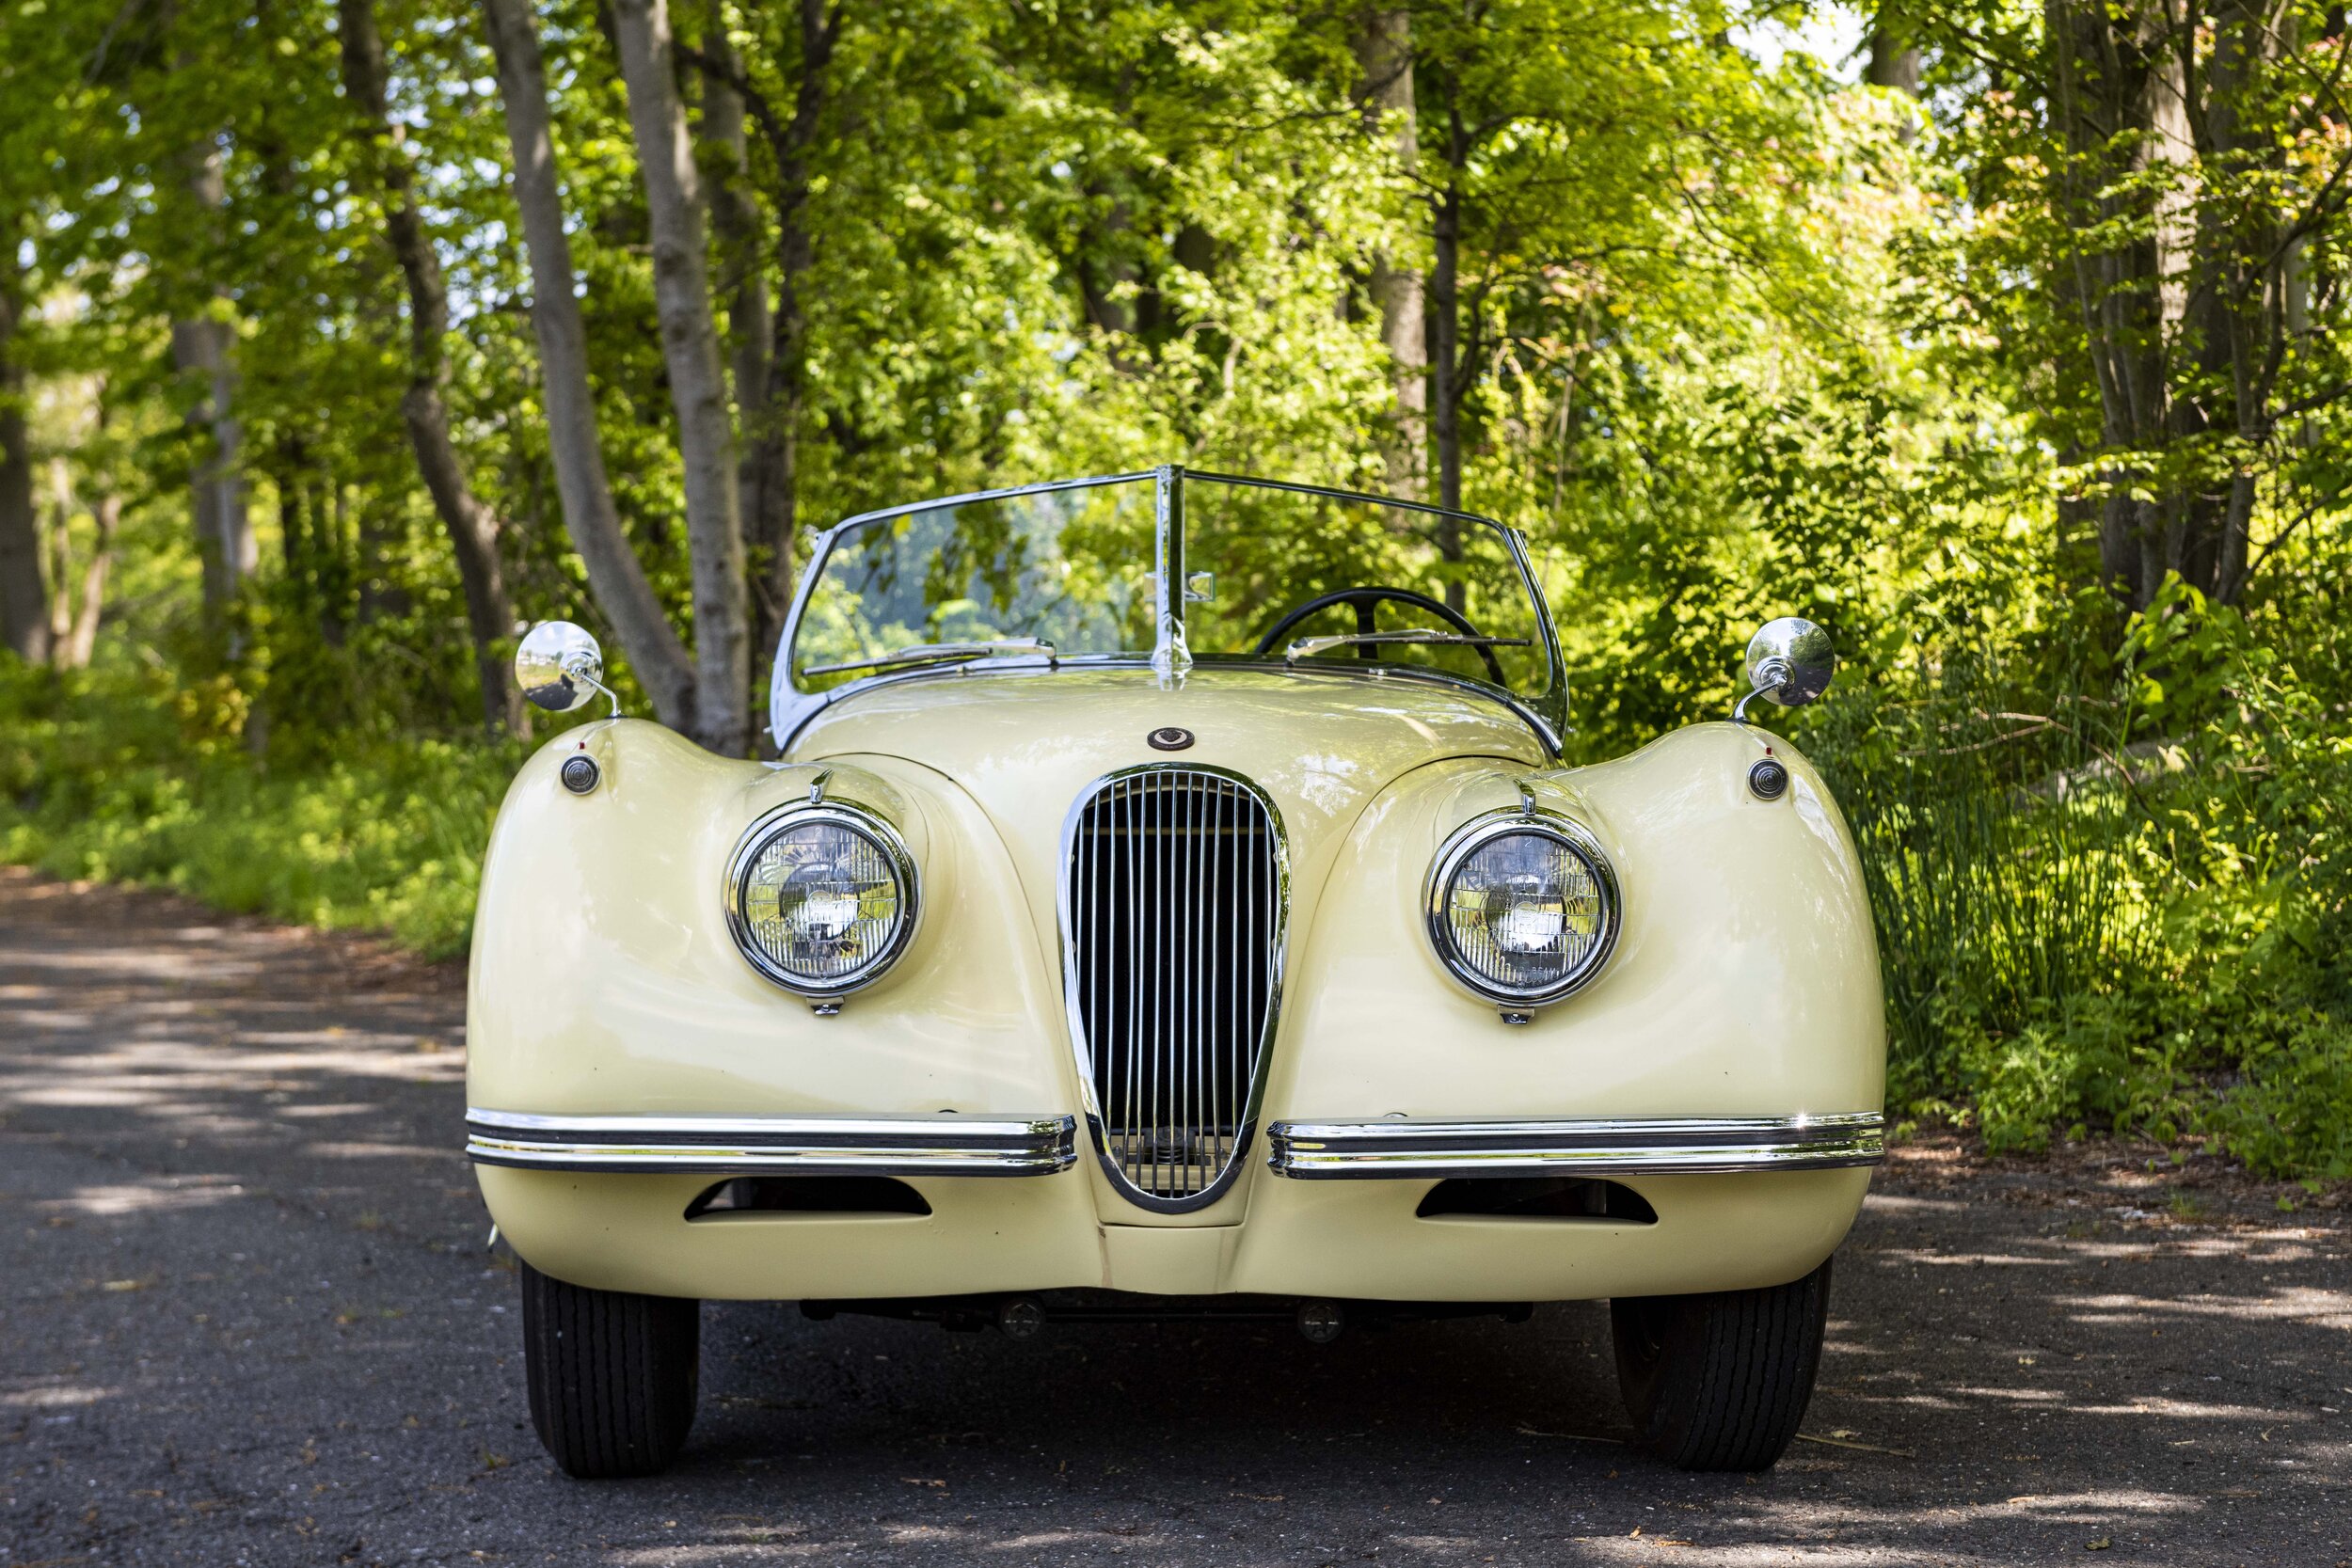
(2008, 344)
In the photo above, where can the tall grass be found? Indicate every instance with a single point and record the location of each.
(1996, 841)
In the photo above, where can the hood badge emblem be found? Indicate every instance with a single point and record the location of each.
(1168, 739)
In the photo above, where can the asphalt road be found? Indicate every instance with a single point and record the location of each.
(248, 1315)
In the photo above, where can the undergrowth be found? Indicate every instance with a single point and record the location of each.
(2115, 900)
(127, 777)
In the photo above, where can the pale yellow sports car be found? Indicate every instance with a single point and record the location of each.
(1168, 897)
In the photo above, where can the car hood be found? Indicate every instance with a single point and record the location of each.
(1025, 745)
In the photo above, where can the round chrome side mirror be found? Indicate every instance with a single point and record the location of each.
(1789, 662)
(559, 666)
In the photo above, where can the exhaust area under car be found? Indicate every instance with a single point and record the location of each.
(1022, 1315)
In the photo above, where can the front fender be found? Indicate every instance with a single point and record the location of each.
(604, 979)
(1746, 979)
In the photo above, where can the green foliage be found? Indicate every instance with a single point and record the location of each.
(2113, 894)
(145, 780)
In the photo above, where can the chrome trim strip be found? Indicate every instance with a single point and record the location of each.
(1327, 1150)
(807, 1146)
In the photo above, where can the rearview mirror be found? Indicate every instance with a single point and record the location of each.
(1789, 662)
(559, 666)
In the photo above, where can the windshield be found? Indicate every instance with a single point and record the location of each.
(1068, 567)
(1273, 574)
(1271, 553)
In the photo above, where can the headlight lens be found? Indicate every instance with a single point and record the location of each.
(1522, 908)
(822, 900)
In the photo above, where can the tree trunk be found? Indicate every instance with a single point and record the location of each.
(698, 387)
(774, 427)
(472, 529)
(1384, 54)
(73, 621)
(743, 247)
(1449, 373)
(204, 350)
(1894, 58)
(59, 546)
(2117, 96)
(614, 574)
(82, 640)
(23, 599)
(2239, 304)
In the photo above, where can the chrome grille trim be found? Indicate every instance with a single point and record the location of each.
(1634, 1146)
(1174, 900)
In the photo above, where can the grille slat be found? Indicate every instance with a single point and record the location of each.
(1174, 919)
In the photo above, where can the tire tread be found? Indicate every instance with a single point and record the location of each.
(612, 1376)
(1721, 1380)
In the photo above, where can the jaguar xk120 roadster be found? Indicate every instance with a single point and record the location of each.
(1168, 892)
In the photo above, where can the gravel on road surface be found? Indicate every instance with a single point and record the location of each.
(247, 1315)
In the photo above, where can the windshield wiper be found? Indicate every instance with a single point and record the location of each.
(938, 653)
(1307, 645)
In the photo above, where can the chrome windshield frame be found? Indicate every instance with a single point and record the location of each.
(790, 708)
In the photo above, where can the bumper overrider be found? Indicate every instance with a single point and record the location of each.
(1041, 1145)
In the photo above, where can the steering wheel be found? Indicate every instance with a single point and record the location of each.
(1361, 599)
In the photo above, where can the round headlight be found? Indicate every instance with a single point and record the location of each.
(1522, 908)
(821, 898)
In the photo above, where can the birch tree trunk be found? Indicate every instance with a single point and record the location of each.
(614, 574)
(81, 639)
(472, 529)
(698, 386)
(1384, 54)
(23, 599)
(203, 351)
(1450, 373)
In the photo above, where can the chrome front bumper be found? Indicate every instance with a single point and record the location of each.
(1041, 1145)
(803, 1146)
(1326, 1150)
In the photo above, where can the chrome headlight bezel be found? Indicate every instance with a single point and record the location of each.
(868, 824)
(1476, 834)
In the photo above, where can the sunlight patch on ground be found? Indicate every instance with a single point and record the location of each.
(142, 1198)
(2289, 1304)
(2192, 1410)
(684, 1555)
(54, 1396)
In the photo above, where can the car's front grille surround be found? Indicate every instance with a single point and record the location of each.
(1174, 901)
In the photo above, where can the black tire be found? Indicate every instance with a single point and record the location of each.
(1720, 1382)
(613, 1375)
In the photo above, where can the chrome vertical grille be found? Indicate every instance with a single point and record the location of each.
(1174, 897)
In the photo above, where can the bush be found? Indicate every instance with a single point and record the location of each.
(2112, 898)
(127, 777)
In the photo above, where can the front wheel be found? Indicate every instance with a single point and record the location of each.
(613, 1375)
(1720, 1382)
